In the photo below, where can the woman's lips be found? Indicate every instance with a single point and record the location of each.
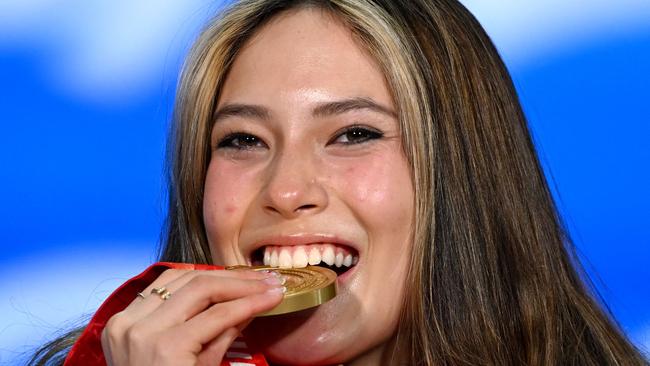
(293, 240)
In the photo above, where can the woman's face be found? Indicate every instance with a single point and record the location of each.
(307, 157)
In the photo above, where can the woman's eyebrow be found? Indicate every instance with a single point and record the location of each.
(347, 105)
(241, 110)
(322, 110)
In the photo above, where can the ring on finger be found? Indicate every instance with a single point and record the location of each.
(162, 292)
(141, 295)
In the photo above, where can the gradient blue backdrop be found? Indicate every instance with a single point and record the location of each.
(86, 90)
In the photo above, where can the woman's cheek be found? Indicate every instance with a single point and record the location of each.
(374, 183)
(225, 197)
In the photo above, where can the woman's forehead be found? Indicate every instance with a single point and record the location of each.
(304, 56)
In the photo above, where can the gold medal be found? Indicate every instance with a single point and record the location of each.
(306, 287)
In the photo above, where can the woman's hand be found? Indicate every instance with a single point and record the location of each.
(196, 324)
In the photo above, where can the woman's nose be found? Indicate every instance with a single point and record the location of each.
(293, 187)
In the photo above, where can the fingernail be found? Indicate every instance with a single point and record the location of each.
(273, 274)
(277, 290)
(274, 280)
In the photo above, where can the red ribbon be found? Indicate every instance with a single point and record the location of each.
(87, 351)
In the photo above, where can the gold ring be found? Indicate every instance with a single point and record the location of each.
(162, 292)
(165, 295)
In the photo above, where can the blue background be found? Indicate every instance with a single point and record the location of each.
(86, 91)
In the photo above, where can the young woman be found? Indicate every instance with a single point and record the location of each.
(385, 131)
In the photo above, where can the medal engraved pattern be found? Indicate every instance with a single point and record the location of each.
(306, 287)
(303, 279)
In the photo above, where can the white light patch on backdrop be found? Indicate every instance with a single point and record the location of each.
(45, 291)
(525, 30)
(105, 51)
(114, 51)
(18, 17)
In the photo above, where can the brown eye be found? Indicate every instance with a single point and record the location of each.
(240, 141)
(357, 135)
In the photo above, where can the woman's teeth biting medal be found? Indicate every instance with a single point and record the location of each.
(306, 287)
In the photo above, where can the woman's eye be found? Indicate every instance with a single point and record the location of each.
(356, 135)
(240, 141)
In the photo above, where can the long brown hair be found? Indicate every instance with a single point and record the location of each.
(494, 279)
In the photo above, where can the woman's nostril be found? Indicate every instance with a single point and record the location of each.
(291, 212)
(306, 207)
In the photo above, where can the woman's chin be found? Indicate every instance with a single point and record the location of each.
(289, 341)
(315, 336)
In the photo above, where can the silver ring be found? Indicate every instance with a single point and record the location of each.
(140, 294)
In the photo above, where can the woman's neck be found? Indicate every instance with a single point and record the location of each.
(384, 354)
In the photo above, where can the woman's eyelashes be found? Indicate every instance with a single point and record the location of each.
(355, 135)
(352, 135)
(240, 141)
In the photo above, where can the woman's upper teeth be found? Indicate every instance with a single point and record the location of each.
(300, 256)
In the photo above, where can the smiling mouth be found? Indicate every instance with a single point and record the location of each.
(338, 258)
